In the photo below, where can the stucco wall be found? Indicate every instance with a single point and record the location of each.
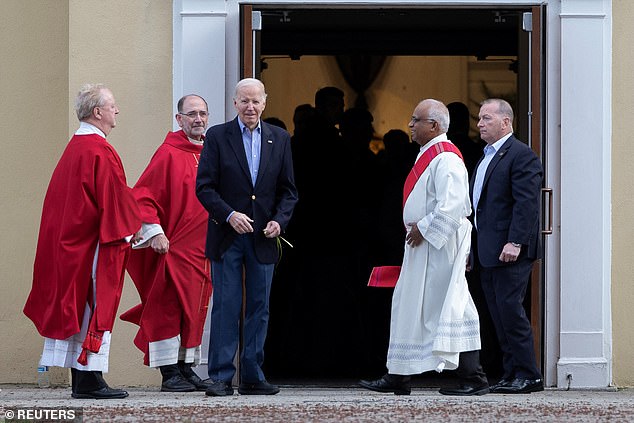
(33, 131)
(623, 194)
(126, 45)
(49, 49)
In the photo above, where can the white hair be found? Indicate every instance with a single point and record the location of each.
(249, 82)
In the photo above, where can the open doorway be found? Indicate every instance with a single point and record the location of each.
(324, 322)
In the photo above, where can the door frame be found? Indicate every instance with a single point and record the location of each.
(249, 59)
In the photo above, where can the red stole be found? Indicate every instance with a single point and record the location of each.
(386, 276)
(423, 161)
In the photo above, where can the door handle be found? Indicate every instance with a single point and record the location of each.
(548, 193)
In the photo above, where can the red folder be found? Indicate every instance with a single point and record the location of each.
(384, 276)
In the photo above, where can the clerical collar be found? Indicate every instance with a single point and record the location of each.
(86, 128)
(197, 142)
(437, 138)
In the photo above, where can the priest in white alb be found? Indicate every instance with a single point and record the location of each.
(434, 322)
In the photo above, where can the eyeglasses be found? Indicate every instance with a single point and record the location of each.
(192, 115)
(416, 120)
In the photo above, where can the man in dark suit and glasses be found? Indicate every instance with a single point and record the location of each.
(245, 181)
(505, 192)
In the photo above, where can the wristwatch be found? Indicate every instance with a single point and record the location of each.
(516, 245)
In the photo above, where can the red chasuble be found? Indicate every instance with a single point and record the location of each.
(387, 276)
(87, 203)
(175, 287)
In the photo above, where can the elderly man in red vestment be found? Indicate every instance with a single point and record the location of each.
(172, 275)
(88, 218)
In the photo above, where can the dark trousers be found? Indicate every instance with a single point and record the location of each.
(226, 275)
(504, 289)
(469, 368)
(83, 381)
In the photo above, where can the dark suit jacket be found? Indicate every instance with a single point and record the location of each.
(509, 205)
(224, 185)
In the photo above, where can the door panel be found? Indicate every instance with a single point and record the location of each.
(251, 24)
(530, 121)
(246, 34)
(537, 124)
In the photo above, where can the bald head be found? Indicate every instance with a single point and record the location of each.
(430, 119)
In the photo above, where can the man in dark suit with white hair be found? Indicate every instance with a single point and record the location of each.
(245, 181)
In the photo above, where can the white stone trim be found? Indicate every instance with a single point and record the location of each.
(585, 344)
(199, 55)
(578, 334)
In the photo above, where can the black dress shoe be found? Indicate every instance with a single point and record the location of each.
(466, 389)
(388, 383)
(190, 375)
(258, 388)
(201, 385)
(104, 393)
(522, 386)
(494, 389)
(177, 383)
(218, 388)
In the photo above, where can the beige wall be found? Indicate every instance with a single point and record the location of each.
(127, 46)
(133, 56)
(33, 131)
(623, 193)
(49, 49)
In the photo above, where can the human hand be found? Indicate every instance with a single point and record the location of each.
(241, 223)
(272, 229)
(413, 237)
(136, 237)
(160, 244)
(509, 253)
